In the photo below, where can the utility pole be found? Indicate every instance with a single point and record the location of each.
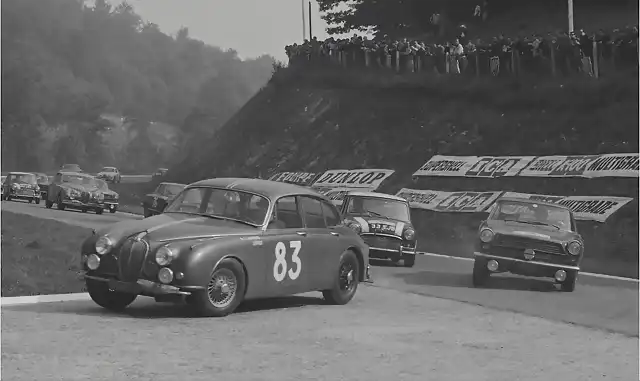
(304, 23)
(570, 6)
(310, 30)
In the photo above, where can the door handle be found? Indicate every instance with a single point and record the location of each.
(335, 234)
(304, 234)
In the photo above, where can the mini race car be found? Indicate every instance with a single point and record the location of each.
(531, 238)
(74, 190)
(154, 203)
(110, 174)
(222, 241)
(384, 222)
(21, 186)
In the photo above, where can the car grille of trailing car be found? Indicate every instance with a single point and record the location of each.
(109, 197)
(131, 258)
(507, 241)
(382, 242)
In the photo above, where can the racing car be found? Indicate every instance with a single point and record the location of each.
(222, 241)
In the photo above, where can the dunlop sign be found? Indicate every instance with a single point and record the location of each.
(355, 179)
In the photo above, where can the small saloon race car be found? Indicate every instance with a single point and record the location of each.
(22, 186)
(154, 203)
(222, 241)
(74, 191)
(384, 222)
(110, 199)
(531, 238)
(110, 174)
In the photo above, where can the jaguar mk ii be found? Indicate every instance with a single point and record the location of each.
(531, 238)
(222, 241)
(384, 222)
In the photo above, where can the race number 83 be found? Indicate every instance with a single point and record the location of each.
(280, 265)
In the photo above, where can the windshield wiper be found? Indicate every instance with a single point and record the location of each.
(536, 223)
(376, 214)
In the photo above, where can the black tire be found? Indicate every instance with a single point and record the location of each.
(569, 284)
(147, 213)
(48, 204)
(112, 300)
(203, 302)
(480, 272)
(112, 210)
(30, 201)
(99, 211)
(37, 201)
(59, 203)
(83, 210)
(7, 197)
(409, 260)
(346, 283)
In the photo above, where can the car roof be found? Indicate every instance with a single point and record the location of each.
(73, 173)
(530, 201)
(110, 167)
(21, 173)
(271, 189)
(165, 183)
(376, 195)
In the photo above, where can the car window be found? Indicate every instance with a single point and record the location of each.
(287, 215)
(172, 190)
(312, 209)
(159, 189)
(331, 215)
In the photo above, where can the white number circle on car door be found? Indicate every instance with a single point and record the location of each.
(280, 265)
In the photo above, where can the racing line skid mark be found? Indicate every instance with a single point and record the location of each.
(603, 276)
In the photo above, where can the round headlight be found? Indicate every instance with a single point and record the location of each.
(574, 248)
(93, 262)
(486, 235)
(103, 245)
(164, 256)
(409, 234)
(355, 226)
(165, 275)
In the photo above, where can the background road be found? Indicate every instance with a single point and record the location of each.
(600, 303)
(128, 178)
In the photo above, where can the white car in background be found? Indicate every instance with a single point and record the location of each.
(111, 174)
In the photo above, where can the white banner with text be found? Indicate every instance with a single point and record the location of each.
(297, 178)
(440, 201)
(369, 179)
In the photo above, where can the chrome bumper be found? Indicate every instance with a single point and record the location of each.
(142, 286)
(401, 250)
(533, 262)
(72, 202)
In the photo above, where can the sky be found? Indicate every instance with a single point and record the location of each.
(251, 27)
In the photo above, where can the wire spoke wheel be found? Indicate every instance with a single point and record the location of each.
(347, 276)
(222, 288)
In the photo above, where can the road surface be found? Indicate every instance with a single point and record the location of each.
(598, 303)
(128, 178)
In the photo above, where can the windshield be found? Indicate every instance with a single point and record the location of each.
(102, 185)
(108, 169)
(79, 180)
(43, 179)
(379, 207)
(532, 213)
(26, 178)
(221, 203)
(169, 190)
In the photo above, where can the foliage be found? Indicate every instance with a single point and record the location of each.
(68, 68)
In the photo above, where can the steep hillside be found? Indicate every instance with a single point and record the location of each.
(317, 120)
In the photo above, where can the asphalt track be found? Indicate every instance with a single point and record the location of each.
(600, 303)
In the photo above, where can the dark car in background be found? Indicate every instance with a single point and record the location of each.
(43, 182)
(223, 241)
(110, 200)
(74, 190)
(384, 222)
(531, 238)
(22, 186)
(155, 202)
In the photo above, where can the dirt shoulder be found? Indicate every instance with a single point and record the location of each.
(40, 256)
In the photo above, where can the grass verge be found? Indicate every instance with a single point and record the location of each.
(40, 256)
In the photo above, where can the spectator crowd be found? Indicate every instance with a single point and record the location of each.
(559, 53)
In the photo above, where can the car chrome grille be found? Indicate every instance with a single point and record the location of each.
(382, 242)
(131, 258)
(528, 243)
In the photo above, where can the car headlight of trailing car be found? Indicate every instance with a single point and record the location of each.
(409, 234)
(104, 244)
(486, 235)
(165, 255)
(574, 248)
(355, 226)
(116, 196)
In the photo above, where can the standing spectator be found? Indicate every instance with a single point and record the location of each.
(457, 51)
(586, 47)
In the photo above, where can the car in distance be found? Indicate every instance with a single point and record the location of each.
(43, 183)
(109, 174)
(384, 222)
(110, 199)
(222, 241)
(74, 190)
(531, 238)
(22, 186)
(70, 168)
(155, 202)
(159, 173)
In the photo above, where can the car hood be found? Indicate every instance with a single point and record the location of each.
(380, 224)
(106, 174)
(23, 184)
(548, 233)
(110, 192)
(170, 227)
(78, 187)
